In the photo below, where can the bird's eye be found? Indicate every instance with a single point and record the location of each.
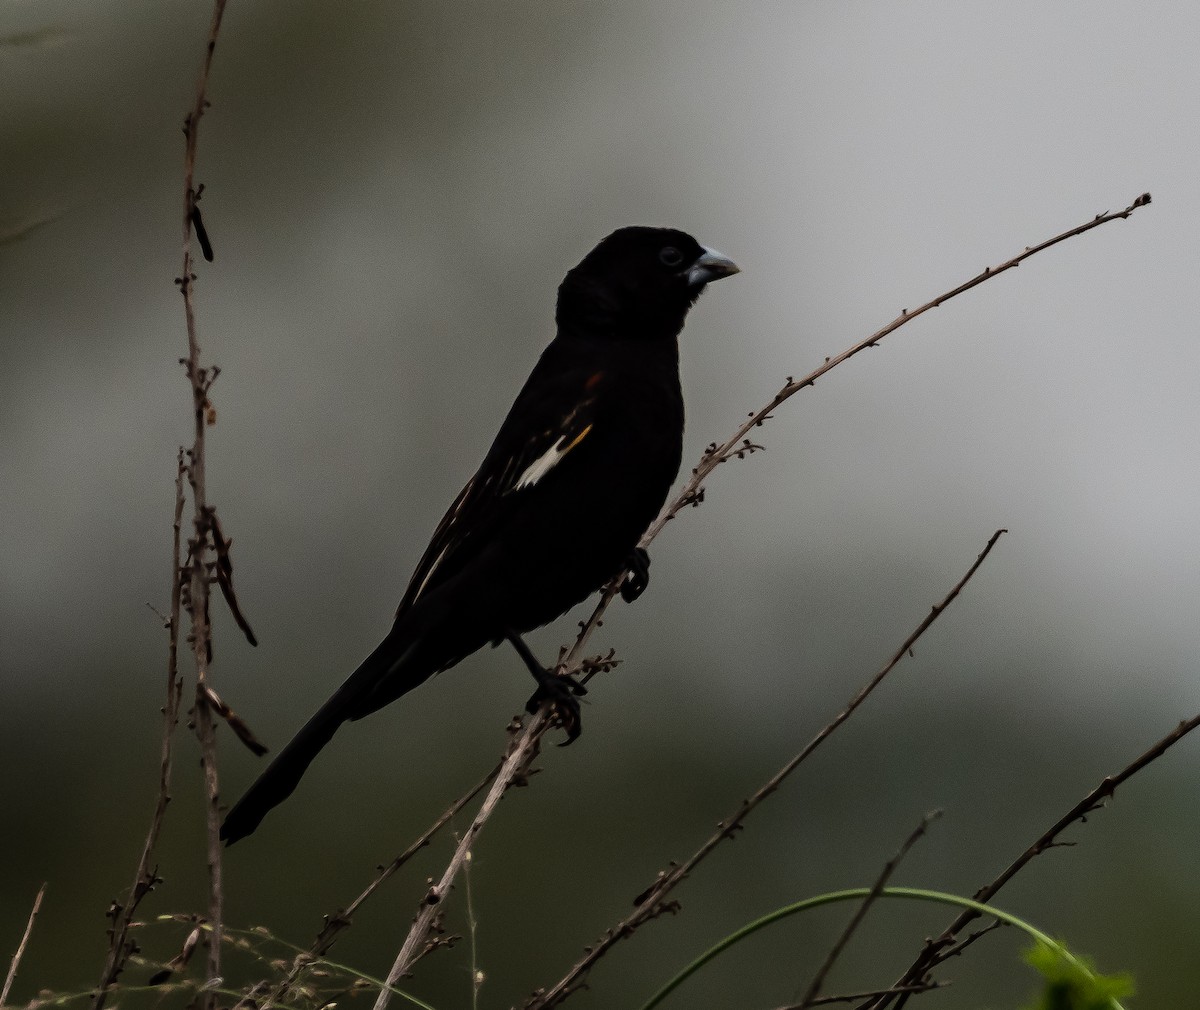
(670, 256)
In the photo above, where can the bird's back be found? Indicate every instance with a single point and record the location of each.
(542, 546)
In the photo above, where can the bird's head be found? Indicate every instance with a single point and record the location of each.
(639, 282)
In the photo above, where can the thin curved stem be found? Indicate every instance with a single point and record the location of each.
(857, 894)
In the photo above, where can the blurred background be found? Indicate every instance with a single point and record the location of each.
(394, 192)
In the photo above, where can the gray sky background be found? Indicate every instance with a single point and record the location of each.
(394, 192)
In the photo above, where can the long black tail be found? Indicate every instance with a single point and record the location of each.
(355, 698)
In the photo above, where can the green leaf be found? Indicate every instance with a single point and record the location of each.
(1071, 985)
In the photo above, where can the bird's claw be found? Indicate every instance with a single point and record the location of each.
(639, 575)
(562, 693)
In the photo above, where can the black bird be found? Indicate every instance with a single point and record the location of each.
(581, 466)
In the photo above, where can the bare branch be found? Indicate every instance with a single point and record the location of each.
(651, 903)
(145, 877)
(522, 750)
(325, 940)
(692, 493)
(341, 920)
(854, 997)
(972, 938)
(736, 445)
(936, 951)
(16, 958)
(198, 590)
(810, 996)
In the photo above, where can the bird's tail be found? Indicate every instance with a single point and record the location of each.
(350, 701)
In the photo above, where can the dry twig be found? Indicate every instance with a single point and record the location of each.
(810, 998)
(341, 920)
(16, 958)
(522, 750)
(197, 597)
(936, 951)
(737, 446)
(854, 997)
(144, 878)
(190, 582)
(652, 903)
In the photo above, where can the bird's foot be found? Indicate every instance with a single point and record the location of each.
(563, 693)
(639, 575)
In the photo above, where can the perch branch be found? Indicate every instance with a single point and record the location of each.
(692, 494)
(735, 445)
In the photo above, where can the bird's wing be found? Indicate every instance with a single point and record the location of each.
(552, 416)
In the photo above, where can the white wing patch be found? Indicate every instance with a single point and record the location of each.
(548, 460)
